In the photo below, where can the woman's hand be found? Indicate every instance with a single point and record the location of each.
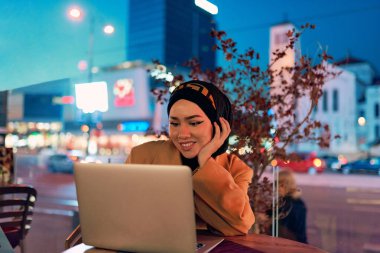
(216, 142)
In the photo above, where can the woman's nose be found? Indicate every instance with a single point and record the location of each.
(183, 131)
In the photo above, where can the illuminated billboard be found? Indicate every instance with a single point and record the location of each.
(91, 97)
(124, 93)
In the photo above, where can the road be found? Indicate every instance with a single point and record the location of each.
(343, 210)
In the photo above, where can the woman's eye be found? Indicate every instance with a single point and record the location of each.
(196, 123)
(174, 124)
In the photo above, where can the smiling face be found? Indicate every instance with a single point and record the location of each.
(190, 128)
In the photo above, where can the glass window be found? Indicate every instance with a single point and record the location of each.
(315, 109)
(377, 110)
(335, 100)
(325, 101)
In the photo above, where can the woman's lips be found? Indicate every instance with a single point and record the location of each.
(186, 146)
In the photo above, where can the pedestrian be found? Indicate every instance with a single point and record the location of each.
(293, 224)
(200, 116)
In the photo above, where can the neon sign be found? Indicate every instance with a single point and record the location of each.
(133, 126)
(124, 93)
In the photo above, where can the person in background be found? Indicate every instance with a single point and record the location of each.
(200, 116)
(293, 225)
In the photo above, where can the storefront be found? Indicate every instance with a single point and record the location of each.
(123, 114)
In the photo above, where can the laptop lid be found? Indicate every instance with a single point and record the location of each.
(134, 207)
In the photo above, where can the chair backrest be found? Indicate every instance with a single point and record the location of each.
(16, 210)
(74, 238)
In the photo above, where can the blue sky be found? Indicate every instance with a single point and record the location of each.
(39, 43)
(343, 27)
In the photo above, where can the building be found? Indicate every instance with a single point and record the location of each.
(350, 103)
(336, 109)
(171, 31)
(278, 41)
(373, 112)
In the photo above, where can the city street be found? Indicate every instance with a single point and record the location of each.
(296, 84)
(343, 210)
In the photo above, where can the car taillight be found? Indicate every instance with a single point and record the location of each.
(73, 158)
(317, 162)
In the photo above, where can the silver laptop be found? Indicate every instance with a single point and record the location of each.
(138, 208)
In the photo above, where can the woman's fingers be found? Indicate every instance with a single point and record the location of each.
(226, 128)
(220, 135)
(222, 131)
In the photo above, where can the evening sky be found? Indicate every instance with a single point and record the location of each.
(39, 43)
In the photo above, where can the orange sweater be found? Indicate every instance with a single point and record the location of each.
(220, 186)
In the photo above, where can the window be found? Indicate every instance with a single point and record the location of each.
(377, 131)
(280, 38)
(325, 101)
(315, 109)
(377, 110)
(335, 100)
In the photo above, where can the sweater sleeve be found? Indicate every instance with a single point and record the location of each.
(221, 198)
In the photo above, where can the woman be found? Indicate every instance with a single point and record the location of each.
(293, 225)
(200, 116)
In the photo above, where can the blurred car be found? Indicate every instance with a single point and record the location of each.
(91, 159)
(44, 155)
(304, 162)
(334, 162)
(371, 165)
(76, 155)
(60, 163)
(64, 162)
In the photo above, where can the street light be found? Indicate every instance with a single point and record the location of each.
(76, 14)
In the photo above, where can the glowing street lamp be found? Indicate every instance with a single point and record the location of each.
(91, 97)
(75, 13)
(108, 29)
(361, 121)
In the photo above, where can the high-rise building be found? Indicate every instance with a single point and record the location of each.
(171, 31)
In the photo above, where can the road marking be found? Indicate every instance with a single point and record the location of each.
(363, 201)
(53, 211)
(58, 201)
(356, 189)
(366, 209)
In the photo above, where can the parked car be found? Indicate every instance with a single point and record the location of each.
(60, 163)
(371, 165)
(303, 162)
(76, 155)
(334, 162)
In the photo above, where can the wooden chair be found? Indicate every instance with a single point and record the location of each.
(74, 238)
(16, 211)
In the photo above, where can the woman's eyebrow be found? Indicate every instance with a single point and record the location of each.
(193, 116)
(187, 118)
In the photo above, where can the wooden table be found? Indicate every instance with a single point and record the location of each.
(250, 243)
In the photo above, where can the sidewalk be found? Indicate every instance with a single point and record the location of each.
(56, 203)
(47, 234)
(53, 213)
(335, 180)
